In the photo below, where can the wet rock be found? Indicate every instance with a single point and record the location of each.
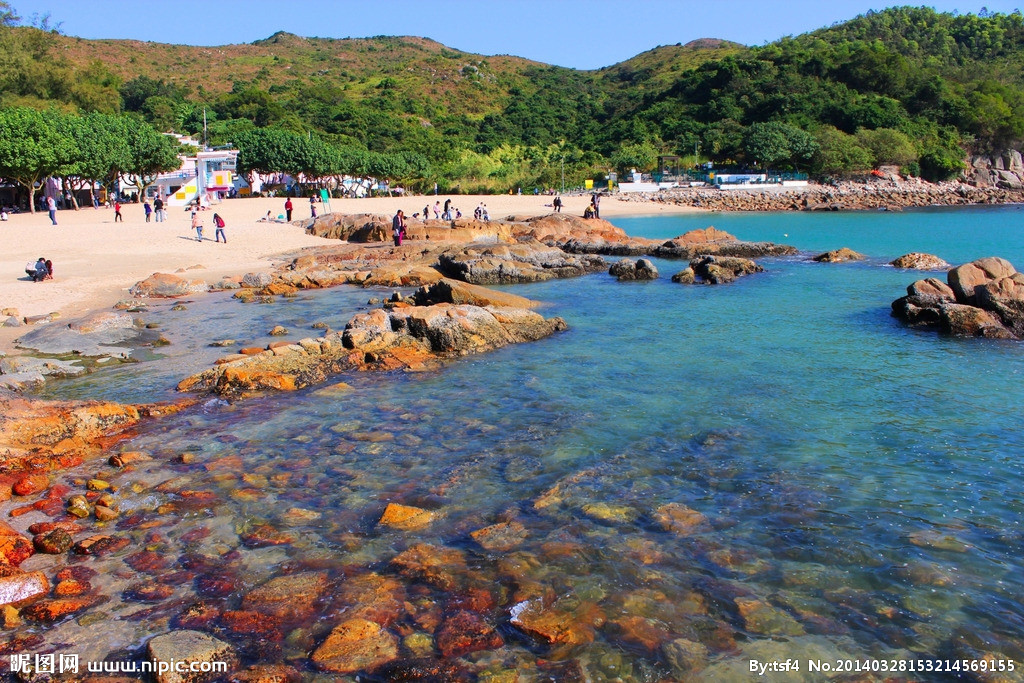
(685, 656)
(290, 597)
(500, 537)
(434, 565)
(716, 270)
(264, 536)
(679, 519)
(838, 256)
(464, 632)
(21, 588)
(526, 261)
(641, 269)
(128, 458)
(30, 484)
(937, 540)
(148, 562)
(53, 542)
(71, 587)
(101, 545)
(919, 261)
(251, 623)
(356, 645)
(762, 618)
(565, 622)
(378, 598)
(192, 647)
(52, 610)
(199, 615)
(46, 527)
(148, 592)
(14, 548)
(278, 331)
(610, 513)
(640, 631)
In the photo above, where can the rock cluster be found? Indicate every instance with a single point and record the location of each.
(716, 270)
(838, 256)
(918, 261)
(641, 269)
(872, 194)
(984, 298)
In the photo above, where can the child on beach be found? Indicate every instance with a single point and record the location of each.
(197, 225)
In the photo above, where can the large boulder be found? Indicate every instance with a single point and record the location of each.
(448, 291)
(641, 269)
(362, 227)
(984, 298)
(193, 647)
(166, 285)
(527, 261)
(967, 278)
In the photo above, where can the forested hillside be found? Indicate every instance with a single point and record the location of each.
(904, 86)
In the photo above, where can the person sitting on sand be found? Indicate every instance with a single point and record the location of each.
(49, 269)
(265, 219)
(36, 271)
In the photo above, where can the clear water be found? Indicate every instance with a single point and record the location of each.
(860, 481)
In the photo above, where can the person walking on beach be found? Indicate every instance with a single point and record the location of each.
(197, 225)
(312, 207)
(148, 209)
(158, 209)
(596, 201)
(51, 206)
(117, 212)
(398, 227)
(219, 232)
(288, 209)
(437, 211)
(557, 204)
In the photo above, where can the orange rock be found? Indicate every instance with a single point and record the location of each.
(289, 597)
(71, 587)
(465, 632)
(380, 599)
(437, 566)
(101, 545)
(30, 484)
(356, 645)
(405, 517)
(14, 548)
(252, 623)
(642, 631)
(500, 537)
(561, 623)
(51, 610)
(678, 518)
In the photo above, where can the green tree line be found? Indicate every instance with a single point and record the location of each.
(905, 86)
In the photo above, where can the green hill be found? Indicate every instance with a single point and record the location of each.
(907, 85)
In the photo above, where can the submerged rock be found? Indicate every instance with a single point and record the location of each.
(715, 270)
(356, 645)
(405, 517)
(193, 647)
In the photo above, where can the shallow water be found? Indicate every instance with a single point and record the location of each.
(859, 481)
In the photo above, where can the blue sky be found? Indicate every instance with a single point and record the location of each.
(573, 33)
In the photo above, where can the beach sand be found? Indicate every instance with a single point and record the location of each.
(96, 260)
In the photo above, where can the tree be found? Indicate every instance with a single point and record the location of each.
(839, 153)
(33, 145)
(149, 153)
(887, 146)
(775, 143)
(641, 156)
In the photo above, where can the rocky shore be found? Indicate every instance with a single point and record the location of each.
(874, 194)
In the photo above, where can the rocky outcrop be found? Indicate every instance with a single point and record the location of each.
(641, 269)
(869, 194)
(918, 261)
(455, 292)
(49, 435)
(712, 241)
(838, 256)
(716, 270)
(402, 337)
(984, 298)
(1003, 171)
(361, 227)
(529, 261)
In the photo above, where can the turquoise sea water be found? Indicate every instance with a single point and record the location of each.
(859, 482)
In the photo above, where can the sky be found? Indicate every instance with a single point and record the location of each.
(572, 33)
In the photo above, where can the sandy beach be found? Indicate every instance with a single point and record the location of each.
(97, 260)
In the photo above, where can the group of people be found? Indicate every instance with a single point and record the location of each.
(40, 270)
(155, 209)
(446, 213)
